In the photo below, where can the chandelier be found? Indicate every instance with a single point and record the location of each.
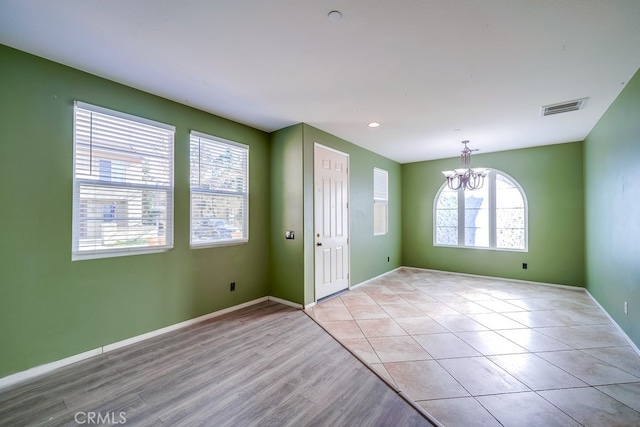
(465, 177)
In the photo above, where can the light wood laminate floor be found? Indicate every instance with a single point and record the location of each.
(267, 365)
(486, 352)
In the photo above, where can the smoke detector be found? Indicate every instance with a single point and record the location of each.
(334, 16)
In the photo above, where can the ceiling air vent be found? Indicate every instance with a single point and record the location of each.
(563, 107)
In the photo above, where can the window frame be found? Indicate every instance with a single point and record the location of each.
(194, 190)
(381, 197)
(490, 182)
(80, 207)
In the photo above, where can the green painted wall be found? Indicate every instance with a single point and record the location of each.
(292, 273)
(551, 177)
(612, 202)
(368, 252)
(287, 256)
(52, 308)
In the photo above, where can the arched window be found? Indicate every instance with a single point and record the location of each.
(493, 217)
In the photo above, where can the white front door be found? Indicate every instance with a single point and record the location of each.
(331, 221)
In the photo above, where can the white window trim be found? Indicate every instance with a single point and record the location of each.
(229, 242)
(492, 216)
(384, 200)
(76, 255)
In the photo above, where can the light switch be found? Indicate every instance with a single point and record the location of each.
(289, 234)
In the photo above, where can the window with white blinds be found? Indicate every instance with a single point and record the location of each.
(219, 191)
(122, 184)
(380, 201)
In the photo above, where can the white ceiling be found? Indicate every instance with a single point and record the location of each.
(433, 72)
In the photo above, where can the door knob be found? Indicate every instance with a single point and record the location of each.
(319, 244)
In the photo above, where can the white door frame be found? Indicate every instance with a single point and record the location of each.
(348, 215)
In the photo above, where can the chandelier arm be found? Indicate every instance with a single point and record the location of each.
(452, 186)
(465, 177)
(478, 182)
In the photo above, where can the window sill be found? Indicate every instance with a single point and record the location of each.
(482, 248)
(80, 256)
(218, 244)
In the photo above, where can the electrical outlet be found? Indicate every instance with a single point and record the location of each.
(388, 258)
(524, 266)
(626, 308)
(232, 286)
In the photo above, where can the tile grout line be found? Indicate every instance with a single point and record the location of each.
(399, 392)
(493, 311)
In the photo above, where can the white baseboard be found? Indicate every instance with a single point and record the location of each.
(505, 279)
(377, 277)
(312, 304)
(566, 287)
(631, 343)
(553, 285)
(48, 367)
(138, 338)
(286, 302)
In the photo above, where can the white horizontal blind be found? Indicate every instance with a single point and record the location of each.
(380, 184)
(219, 191)
(123, 184)
(380, 201)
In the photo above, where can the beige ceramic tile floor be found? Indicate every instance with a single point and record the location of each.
(484, 352)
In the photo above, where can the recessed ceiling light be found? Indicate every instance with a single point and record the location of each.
(373, 124)
(334, 16)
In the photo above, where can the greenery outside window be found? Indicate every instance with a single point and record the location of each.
(219, 191)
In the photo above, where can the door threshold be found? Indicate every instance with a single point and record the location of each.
(336, 294)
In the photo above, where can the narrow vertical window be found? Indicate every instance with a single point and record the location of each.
(123, 184)
(380, 201)
(219, 191)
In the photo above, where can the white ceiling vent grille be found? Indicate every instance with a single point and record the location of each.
(563, 107)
